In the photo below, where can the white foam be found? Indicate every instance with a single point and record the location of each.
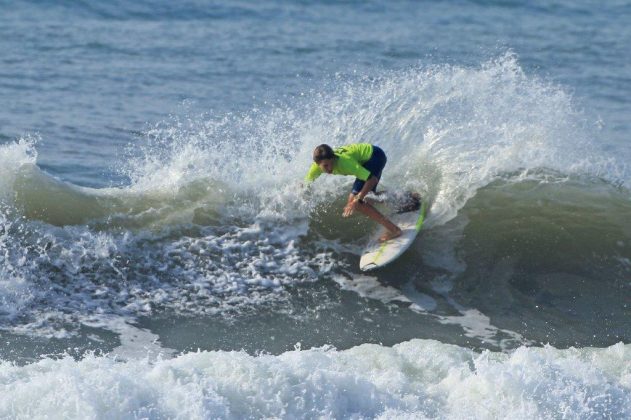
(415, 379)
(135, 342)
(117, 277)
(369, 287)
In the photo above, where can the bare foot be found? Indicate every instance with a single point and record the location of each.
(390, 235)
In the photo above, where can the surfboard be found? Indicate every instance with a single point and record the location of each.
(378, 254)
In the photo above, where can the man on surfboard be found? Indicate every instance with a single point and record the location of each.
(364, 161)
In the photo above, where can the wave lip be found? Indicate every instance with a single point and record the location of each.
(419, 379)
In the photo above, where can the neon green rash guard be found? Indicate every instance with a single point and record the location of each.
(349, 162)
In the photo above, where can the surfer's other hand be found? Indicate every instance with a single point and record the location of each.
(350, 208)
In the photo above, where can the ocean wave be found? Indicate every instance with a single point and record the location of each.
(447, 130)
(214, 218)
(414, 379)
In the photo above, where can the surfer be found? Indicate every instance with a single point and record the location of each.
(364, 161)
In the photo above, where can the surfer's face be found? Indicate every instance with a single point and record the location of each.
(326, 165)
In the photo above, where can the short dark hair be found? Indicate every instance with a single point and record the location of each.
(322, 152)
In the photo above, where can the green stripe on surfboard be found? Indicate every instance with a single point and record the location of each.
(421, 218)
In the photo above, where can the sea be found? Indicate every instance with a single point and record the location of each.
(161, 258)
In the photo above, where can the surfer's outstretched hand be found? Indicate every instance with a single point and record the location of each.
(350, 208)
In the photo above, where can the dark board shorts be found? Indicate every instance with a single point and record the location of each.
(375, 165)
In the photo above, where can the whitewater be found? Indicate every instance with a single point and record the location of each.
(415, 379)
(160, 256)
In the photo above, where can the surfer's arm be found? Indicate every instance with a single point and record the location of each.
(313, 174)
(354, 199)
(368, 186)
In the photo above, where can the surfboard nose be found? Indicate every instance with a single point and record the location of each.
(368, 267)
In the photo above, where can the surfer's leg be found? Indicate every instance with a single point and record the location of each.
(375, 165)
(374, 214)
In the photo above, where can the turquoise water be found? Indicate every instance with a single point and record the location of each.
(155, 242)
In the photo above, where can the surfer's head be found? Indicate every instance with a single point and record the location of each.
(324, 157)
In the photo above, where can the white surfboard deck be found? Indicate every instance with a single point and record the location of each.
(377, 254)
